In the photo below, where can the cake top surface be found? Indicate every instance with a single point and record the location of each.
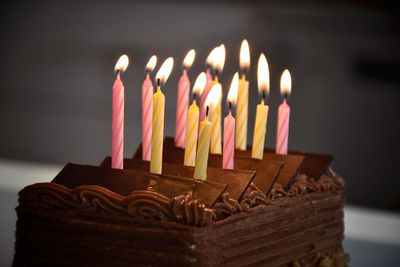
(237, 181)
(124, 182)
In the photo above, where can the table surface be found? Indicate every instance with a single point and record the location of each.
(372, 236)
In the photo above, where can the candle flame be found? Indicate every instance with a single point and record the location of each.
(233, 90)
(244, 55)
(211, 57)
(151, 64)
(189, 58)
(200, 84)
(214, 96)
(122, 63)
(165, 70)
(286, 83)
(263, 74)
(219, 60)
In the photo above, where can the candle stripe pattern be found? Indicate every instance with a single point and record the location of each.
(191, 135)
(200, 171)
(242, 114)
(147, 117)
(204, 95)
(158, 132)
(260, 129)
(216, 147)
(229, 133)
(283, 129)
(181, 109)
(117, 145)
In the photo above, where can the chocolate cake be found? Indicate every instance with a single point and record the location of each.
(279, 211)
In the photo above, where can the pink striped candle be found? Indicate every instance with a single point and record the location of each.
(229, 126)
(229, 144)
(117, 145)
(147, 115)
(147, 109)
(181, 109)
(282, 135)
(183, 100)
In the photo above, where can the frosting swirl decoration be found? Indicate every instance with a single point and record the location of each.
(45, 198)
(49, 199)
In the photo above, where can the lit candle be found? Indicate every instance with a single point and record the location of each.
(284, 115)
(157, 136)
(260, 125)
(193, 122)
(118, 100)
(147, 110)
(215, 113)
(200, 171)
(183, 100)
(243, 98)
(207, 88)
(229, 126)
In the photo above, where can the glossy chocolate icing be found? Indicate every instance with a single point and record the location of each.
(267, 171)
(304, 226)
(94, 216)
(314, 165)
(237, 181)
(89, 200)
(124, 182)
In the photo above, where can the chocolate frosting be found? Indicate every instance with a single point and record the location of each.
(301, 185)
(151, 205)
(44, 198)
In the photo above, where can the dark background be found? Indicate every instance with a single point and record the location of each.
(57, 59)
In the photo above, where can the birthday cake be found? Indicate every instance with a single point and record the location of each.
(200, 206)
(280, 211)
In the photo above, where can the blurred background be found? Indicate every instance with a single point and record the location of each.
(57, 60)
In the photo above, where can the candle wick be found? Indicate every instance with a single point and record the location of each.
(216, 75)
(194, 97)
(158, 82)
(263, 95)
(207, 110)
(230, 106)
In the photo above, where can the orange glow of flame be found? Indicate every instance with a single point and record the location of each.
(286, 83)
(244, 55)
(189, 58)
(211, 57)
(219, 60)
(214, 96)
(199, 84)
(165, 70)
(122, 63)
(233, 90)
(263, 74)
(151, 64)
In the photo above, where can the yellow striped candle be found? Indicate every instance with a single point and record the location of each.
(214, 103)
(157, 136)
(242, 113)
(192, 123)
(157, 132)
(260, 129)
(260, 125)
(215, 107)
(200, 171)
(242, 110)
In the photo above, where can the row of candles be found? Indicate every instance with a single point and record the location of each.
(198, 143)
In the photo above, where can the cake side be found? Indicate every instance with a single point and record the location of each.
(303, 224)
